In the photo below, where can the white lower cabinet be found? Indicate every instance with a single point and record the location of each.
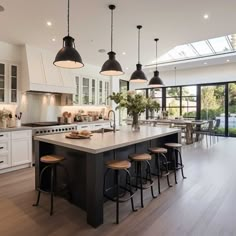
(15, 150)
(21, 147)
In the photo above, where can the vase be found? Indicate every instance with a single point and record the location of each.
(135, 122)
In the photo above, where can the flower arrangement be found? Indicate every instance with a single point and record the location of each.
(4, 113)
(135, 104)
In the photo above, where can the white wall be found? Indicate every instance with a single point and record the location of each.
(208, 74)
(10, 52)
(199, 75)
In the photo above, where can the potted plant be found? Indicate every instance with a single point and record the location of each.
(135, 104)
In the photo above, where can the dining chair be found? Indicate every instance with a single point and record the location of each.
(207, 131)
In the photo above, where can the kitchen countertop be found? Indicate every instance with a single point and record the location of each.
(91, 122)
(108, 141)
(15, 129)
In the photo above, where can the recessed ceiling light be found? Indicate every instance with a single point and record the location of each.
(1, 8)
(206, 16)
(127, 68)
(123, 53)
(49, 23)
(53, 39)
(227, 60)
(205, 63)
(102, 50)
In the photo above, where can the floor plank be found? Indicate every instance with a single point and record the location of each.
(203, 204)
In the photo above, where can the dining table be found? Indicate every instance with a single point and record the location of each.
(185, 124)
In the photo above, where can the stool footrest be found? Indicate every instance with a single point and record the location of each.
(115, 198)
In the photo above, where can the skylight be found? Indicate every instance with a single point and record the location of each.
(210, 47)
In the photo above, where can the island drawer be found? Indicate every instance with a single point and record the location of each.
(4, 146)
(4, 161)
(4, 135)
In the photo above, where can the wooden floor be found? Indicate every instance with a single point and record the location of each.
(203, 204)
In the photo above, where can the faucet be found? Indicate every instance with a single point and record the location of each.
(114, 121)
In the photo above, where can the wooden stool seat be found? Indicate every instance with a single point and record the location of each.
(157, 150)
(140, 157)
(51, 159)
(173, 145)
(118, 164)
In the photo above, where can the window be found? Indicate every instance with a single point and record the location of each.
(173, 101)
(155, 94)
(189, 101)
(208, 47)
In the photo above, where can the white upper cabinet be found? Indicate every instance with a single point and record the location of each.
(91, 91)
(9, 77)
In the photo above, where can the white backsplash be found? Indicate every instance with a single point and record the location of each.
(43, 107)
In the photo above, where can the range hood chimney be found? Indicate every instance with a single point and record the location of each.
(39, 75)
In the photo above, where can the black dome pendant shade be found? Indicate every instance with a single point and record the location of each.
(68, 57)
(138, 75)
(111, 67)
(156, 81)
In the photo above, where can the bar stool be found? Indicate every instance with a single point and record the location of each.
(160, 160)
(138, 159)
(117, 166)
(51, 161)
(175, 148)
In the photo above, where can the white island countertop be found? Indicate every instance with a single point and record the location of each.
(108, 141)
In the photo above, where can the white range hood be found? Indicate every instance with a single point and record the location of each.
(39, 73)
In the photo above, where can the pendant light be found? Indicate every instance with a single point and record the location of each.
(138, 75)
(111, 67)
(156, 80)
(68, 57)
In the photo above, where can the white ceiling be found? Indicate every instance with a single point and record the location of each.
(175, 22)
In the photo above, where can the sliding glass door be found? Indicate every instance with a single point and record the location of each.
(213, 106)
(232, 109)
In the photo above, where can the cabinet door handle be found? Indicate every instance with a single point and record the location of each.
(84, 126)
(1, 161)
(1, 135)
(1, 147)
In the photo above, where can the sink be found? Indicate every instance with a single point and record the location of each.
(103, 130)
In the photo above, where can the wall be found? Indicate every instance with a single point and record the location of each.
(208, 74)
(10, 52)
(200, 75)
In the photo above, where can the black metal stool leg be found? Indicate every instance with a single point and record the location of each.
(140, 176)
(128, 177)
(158, 172)
(150, 179)
(52, 188)
(40, 182)
(175, 166)
(117, 195)
(181, 164)
(167, 169)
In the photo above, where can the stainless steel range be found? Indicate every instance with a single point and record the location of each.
(46, 128)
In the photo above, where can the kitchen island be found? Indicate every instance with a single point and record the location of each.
(85, 160)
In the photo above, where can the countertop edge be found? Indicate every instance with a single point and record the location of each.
(93, 151)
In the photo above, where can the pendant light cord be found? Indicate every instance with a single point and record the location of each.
(156, 53)
(138, 45)
(68, 18)
(175, 75)
(111, 29)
